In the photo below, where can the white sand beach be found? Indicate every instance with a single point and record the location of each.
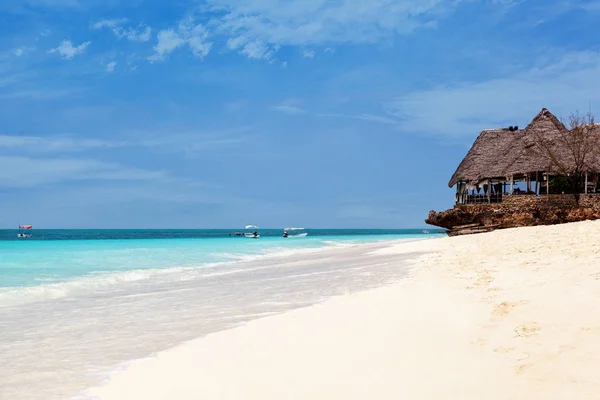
(507, 315)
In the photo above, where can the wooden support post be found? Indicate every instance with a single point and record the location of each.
(537, 184)
(511, 184)
(456, 199)
(489, 193)
(547, 184)
(586, 181)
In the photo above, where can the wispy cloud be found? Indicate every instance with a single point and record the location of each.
(110, 67)
(109, 23)
(187, 33)
(140, 34)
(192, 143)
(308, 54)
(42, 171)
(365, 117)
(37, 93)
(465, 108)
(255, 49)
(54, 144)
(292, 110)
(168, 40)
(187, 142)
(266, 25)
(68, 51)
(591, 6)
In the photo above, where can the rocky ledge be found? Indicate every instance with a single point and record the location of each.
(515, 212)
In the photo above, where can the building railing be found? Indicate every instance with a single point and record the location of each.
(478, 198)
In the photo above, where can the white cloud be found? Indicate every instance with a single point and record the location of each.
(110, 67)
(187, 33)
(292, 110)
(186, 142)
(168, 40)
(18, 52)
(465, 108)
(68, 51)
(53, 143)
(364, 117)
(141, 34)
(255, 49)
(274, 23)
(308, 54)
(109, 23)
(40, 171)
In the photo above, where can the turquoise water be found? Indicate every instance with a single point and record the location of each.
(53, 256)
(80, 304)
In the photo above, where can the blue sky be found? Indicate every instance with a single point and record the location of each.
(219, 113)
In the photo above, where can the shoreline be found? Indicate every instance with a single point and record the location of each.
(19, 295)
(501, 315)
(96, 332)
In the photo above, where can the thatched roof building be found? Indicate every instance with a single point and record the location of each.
(502, 155)
(498, 153)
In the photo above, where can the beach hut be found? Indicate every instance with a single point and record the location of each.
(508, 161)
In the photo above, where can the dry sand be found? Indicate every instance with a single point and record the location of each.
(511, 314)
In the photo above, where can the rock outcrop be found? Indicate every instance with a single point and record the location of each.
(516, 211)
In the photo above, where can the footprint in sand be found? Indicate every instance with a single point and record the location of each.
(504, 308)
(527, 330)
(504, 349)
(521, 368)
(485, 279)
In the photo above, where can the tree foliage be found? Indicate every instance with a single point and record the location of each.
(572, 151)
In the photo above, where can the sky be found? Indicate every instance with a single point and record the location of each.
(314, 113)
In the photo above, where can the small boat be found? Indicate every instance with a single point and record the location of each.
(252, 232)
(425, 231)
(286, 233)
(25, 233)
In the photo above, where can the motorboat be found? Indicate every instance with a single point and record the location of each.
(25, 233)
(252, 232)
(286, 233)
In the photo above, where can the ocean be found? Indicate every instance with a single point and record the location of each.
(76, 304)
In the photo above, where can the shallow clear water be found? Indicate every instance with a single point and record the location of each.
(52, 256)
(73, 309)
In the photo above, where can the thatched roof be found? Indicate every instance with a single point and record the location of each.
(500, 153)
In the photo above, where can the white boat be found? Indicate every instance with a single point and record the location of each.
(286, 233)
(24, 234)
(252, 232)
